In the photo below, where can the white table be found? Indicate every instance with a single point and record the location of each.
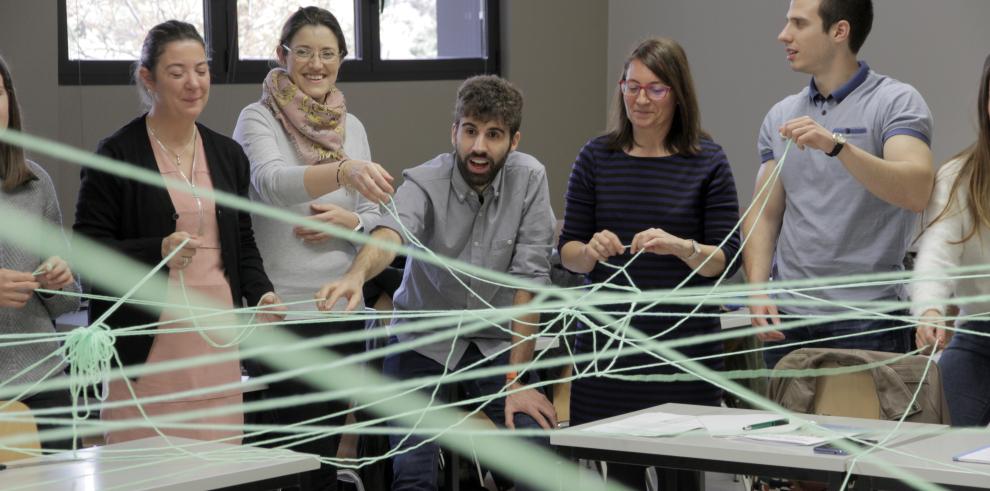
(940, 448)
(699, 451)
(152, 464)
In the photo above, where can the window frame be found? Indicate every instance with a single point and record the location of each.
(220, 26)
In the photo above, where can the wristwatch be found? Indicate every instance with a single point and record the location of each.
(696, 249)
(840, 142)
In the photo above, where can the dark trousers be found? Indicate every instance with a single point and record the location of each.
(965, 369)
(893, 341)
(324, 478)
(417, 469)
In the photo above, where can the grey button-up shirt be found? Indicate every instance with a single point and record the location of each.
(508, 228)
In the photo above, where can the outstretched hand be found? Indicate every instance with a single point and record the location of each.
(350, 287)
(368, 178)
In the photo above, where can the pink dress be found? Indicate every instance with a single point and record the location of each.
(203, 277)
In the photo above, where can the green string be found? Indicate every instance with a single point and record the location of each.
(607, 319)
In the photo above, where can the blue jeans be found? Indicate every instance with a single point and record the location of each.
(417, 469)
(965, 369)
(893, 341)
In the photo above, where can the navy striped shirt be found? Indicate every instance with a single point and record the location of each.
(689, 196)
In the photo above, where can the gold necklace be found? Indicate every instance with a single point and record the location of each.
(192, 172)
(178, 160)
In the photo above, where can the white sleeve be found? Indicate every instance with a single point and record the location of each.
(277, 180)
(938, 248)
(356, 139)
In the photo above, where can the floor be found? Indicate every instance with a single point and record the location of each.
(722, 482)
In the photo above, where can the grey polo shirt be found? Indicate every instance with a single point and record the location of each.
(832, 225)
(508, 228)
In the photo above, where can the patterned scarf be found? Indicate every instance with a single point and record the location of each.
(316, 130)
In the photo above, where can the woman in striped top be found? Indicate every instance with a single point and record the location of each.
(657, 183)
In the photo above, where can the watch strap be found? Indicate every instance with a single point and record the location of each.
(696, 249)
(840, 143)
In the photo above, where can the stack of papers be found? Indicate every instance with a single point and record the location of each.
(759, 427)
(667, 424)
(796, 435)
(649, 424)
(978, 456)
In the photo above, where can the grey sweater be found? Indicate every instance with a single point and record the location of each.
(297, 269)
(38, 198)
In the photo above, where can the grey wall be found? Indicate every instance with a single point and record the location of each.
(559, 70)
(740, 69)
(566, 56)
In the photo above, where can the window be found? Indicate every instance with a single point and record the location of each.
(259, 23)
(114, 29)
(387, 39)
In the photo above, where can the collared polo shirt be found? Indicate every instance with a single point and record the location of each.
(832, 225)
(508, 228)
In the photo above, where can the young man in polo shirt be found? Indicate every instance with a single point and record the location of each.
(847, 198)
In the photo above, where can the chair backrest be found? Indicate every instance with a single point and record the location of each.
(16, 419)
(852, 395)
(886, 390)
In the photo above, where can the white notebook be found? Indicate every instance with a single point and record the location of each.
(978, 456)
(649, 424)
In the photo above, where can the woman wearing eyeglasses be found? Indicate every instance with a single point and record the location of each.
(219, 260)
(656, 183)
(308, 156)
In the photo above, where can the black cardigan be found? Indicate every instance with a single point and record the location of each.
(133, 218)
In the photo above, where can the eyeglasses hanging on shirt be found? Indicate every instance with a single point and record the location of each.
(190, 180)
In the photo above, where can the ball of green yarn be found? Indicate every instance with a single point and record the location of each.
(89, 351)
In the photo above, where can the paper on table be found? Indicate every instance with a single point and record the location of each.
(790, 439)
(649, 424)
(786, 434)
(978, 456)
(734, 424)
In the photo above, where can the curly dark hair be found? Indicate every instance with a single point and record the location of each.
(488, 98)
